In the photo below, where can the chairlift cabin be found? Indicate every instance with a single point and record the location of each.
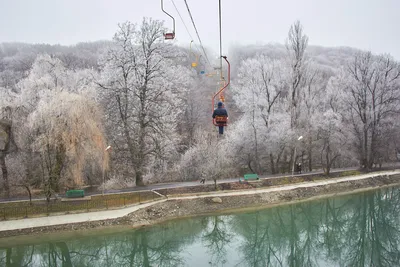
(169, 35)
(221, 121)
(195, 63)
(211, 74)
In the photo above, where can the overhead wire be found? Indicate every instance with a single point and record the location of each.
(197, 33)
(184, 24)
(220, 40)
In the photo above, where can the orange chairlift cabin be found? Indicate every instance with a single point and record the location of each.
(168, 35)
(221, 121)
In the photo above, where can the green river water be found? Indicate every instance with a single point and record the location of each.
(354, 230)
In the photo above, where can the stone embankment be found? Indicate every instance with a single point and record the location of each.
(179, 206)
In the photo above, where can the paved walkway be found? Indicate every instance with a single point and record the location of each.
(113, 214)
(72, 218)
(288, 187)
(181, 184)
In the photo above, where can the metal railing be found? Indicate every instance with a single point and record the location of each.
(95, 203)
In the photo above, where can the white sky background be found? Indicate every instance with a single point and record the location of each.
(365, 24)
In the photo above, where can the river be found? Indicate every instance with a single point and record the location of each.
(361, 229)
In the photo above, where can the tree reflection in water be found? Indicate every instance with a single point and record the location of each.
(356, 230)
(216, 238)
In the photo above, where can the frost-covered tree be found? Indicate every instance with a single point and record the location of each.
(258, 93)
(7, 98)
(296, 45)
(5, 141)
(140, 91)
(311, 107)
(372, 96)
(59, 122)
(69, 135)
(210, 158)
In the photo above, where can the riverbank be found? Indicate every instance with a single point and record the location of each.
(207, 203)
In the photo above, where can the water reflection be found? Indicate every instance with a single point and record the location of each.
(357, 230)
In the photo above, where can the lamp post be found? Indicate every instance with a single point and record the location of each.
(294, 157)
(105, 150)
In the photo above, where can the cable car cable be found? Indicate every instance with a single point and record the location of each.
(220, 40)
(184, 24)
(198, 36)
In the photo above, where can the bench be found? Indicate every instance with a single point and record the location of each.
(75, 193)
(250, 176)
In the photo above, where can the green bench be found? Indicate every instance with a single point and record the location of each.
(75, 193)
(250, 176)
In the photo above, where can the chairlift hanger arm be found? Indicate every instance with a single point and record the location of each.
(229, 78)
(173, 19)
(222, 89)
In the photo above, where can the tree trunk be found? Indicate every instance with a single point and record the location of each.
(59, 164)
(139, 178)
(66, 257)
(5, 173)
(8, 257)
(249, 165)
(140, 157)
(145, 254)
(292, 160)
(271, 157)
(373, 155)
(5, 129)
(365, 152)
(257, 160)
(328, 164)
(309, 154)
(29, 193)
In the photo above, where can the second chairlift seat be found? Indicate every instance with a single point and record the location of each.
(169, 36)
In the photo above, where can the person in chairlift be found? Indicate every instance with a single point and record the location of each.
(220, 112)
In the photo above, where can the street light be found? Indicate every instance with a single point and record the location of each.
(294, 157)
(105, 150)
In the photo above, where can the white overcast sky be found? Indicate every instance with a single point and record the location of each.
(365, 24)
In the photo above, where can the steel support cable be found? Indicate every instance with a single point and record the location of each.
(220, 41)
(184, 24)
(197, 33)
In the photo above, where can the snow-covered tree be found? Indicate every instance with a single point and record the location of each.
(258, 93)
(372, 98)
(210, 158)
(140, 90)
(296, 45)
(58, 120)
(69, 135)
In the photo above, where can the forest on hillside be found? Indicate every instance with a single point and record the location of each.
(61, 107)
